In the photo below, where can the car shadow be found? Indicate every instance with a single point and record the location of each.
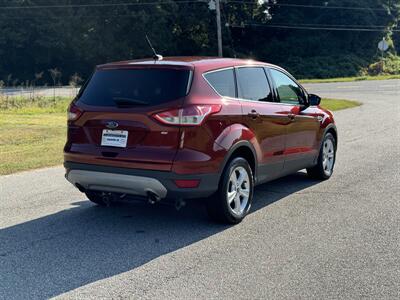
(60, 252)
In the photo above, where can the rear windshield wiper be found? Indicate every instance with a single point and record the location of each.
(128, 101)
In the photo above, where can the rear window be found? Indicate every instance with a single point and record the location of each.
(135, 87)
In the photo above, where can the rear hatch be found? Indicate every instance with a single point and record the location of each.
(116, 125)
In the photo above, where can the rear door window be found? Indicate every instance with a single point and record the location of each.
(135, 87)
(253, 84)
(223, 82)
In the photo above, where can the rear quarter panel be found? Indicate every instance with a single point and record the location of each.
(204, 149)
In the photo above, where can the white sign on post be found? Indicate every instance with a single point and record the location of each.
(383, 45)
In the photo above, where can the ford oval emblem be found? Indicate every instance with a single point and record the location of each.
(112, 125)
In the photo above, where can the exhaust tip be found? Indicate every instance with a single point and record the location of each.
(153, 198)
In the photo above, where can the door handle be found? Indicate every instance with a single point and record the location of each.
(291, 116)
(253, 114)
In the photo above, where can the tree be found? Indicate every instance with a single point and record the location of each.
(75, 39)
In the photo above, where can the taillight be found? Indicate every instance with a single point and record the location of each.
(193, 115)
(73, 113)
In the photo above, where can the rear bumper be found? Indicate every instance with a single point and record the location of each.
(138, 182)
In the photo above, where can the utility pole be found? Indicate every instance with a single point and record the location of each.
(219, 31)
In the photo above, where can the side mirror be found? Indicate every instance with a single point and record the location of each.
(304, 103)
(314, 100)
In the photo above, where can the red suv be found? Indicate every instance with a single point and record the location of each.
(194, 127)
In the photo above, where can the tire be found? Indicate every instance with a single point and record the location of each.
(96, 198)
(232, 202)
(323, 170)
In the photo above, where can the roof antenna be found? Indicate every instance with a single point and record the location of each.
(155, 56)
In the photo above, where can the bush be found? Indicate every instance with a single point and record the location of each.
(325, 66)
(389, 66)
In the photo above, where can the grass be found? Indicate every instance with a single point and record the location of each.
(29, 141)
(351, 79)
(32, 106)
(32, 133)
(338, 104)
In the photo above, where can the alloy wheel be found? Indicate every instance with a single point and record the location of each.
(238, 191)
(328, 156)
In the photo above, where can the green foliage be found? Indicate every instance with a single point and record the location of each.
(390, 65)
(325, 66)
(326, 53)
(75, 39)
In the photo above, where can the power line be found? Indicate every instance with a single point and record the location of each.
(329, 25)
(287, 25)
(283, 25)
(185, 2)
(99, 5)
(277, 25)
(313, 28)
(58, 16)
(312, 6)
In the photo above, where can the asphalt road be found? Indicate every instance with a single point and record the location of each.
(304, 239)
